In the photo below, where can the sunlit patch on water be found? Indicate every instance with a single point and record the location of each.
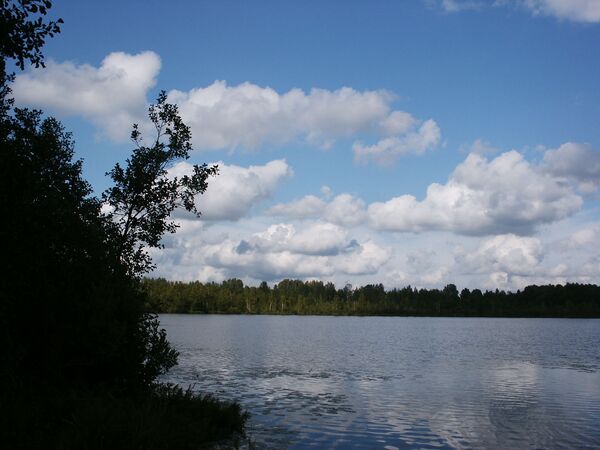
(396, 383)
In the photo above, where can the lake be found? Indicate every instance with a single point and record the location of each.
(398, 382)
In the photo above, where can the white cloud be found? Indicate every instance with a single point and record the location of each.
(313, 250)
(420, 260)
(232, 193)
(343, 209)
(512, 262)
(316, 239)
(460, 5)
(256, 248)
(308, 206)
(575, 10)
(326, 191)
(346, 209)
(249, 116)
(433, 278)
(506, 253)
(389, 149)
(483, 148)
(577, 162)
(364, 258)
(504, 195)
(113, 96)
(583, 238)
(398, 122)
(328, 238)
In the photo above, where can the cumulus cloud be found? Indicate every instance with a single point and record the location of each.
(346, 209)
(248, 115)
(113, 96)
(308, 206)
(506, 253)
(233, 193)
(326, 191)
(387, 150)
(364, 258)
(284, 250)
(583, 238)
(433, 278)
(577, 162)
(316, 239)
(398, 122)
(512, 262)
(256, 248)
(420, 260)
(504, 195)
(343, 209)
(482, 147)
(575, 10)
(460, 5)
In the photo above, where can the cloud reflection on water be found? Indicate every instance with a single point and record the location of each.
(398, 382)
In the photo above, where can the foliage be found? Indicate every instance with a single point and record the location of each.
(82, 320)
(167, 418)
(80, 357)
(23, 37)
(316, 297)
(144, 195)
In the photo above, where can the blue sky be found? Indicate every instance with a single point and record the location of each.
(414, 142)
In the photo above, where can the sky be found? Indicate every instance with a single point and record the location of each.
(418, 142)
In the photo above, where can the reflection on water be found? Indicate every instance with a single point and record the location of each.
(391, 383)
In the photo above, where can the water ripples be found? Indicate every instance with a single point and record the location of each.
(396, 383)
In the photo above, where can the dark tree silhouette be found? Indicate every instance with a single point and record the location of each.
(144, 195)
(71, 311)
(22, 36)
(79, 355)
(315, 297)
(82, 320)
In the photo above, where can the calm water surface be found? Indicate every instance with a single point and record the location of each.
(401, 382)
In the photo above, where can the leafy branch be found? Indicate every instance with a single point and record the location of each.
(144, 195)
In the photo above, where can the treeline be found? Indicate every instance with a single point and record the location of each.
(316, 297)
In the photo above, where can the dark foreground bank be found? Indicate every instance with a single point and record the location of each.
(166, 418)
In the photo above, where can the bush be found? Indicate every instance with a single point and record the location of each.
(167, 418)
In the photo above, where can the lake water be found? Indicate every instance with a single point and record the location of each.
(398, 382)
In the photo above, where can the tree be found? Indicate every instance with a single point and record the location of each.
(79, 356)
(22, 38)
(72, 311)
(144, 195)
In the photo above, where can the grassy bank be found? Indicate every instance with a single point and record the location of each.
(165, 418)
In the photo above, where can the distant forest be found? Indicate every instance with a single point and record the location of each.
(316, 297)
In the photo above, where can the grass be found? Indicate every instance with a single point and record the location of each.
(166, 418)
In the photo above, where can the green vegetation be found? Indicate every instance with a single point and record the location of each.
(315, 297)
(80, 356)
(166, 418)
